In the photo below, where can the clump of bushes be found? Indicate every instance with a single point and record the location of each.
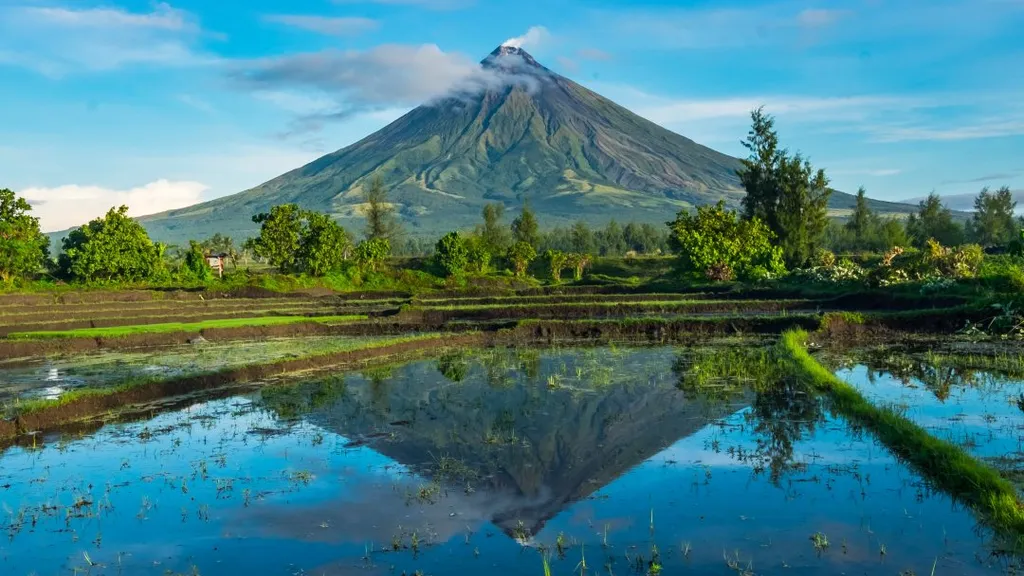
(716, 244)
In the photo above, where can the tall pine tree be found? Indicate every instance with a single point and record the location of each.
(784, 191)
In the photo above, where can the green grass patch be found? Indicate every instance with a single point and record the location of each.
(946, 465)
(116, 331)
(613, 304)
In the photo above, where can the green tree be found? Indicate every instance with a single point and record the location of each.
(520, 255)
(934, 221)
(373, 254)
(578, 262)
(323, 245)
(716, 244)
(478, 254)
(195, 264)
(582, 238)
(451, 254)
(860, 222)
(381, 221)
(524, 227)
(280, 236)
(784, 191)
(495, 236)
(613, 240)
(556, 260)
(993, 223)
(23, 248)
(112, 248)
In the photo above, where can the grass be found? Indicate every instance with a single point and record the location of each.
(601, 304)
(116, 331)
(72, 396)
(946, 465)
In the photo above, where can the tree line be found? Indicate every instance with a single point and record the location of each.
(782, 223)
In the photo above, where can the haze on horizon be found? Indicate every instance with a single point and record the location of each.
(160, 106)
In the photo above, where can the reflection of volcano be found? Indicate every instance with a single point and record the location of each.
(529, 450)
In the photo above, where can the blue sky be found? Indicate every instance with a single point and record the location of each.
(160, 105)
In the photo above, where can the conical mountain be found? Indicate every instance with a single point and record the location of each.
(519, 132)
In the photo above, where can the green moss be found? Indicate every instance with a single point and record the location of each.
(115, 331)
(946, 465)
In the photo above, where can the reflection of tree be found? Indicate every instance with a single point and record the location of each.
(782, 415)
(380, 379)
(939, 375)
(782, 410)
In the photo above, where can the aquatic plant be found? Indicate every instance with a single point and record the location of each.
(944, 464)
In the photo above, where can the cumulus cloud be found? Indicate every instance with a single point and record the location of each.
(73, 205)
(334, 85)
(534, 37)
(57, 40)
(325, 25)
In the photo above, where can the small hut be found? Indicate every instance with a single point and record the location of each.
(216, 261)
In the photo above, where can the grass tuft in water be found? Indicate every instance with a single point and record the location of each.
(946, 465)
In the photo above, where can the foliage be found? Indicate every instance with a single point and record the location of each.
(582, 238)
(495, 238)
(935, 263)
(784, 191)
(195, 265)
(280, 236)
(451, 254)
(520, 255)
(23, 248)
(716, 244)
(556, 260)
(860, 221)
(371, 254)
(934, 220)
(112, 248)
(946, 465)
(578, 262)
(324, 245)
(524, 227)
(381, 222)
(992, 223)
(478, 255)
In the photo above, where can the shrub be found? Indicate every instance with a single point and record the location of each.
(451, 254)
(372, 254)
(520, 255)
(322, 245)
(195, 265)
(23, 248)
(578, 262)
(715, 240)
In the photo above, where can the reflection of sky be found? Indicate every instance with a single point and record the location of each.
(357, 500)
(983, 419)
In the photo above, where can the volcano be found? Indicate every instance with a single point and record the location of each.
(519, 133)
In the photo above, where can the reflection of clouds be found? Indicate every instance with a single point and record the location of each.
(377, 512)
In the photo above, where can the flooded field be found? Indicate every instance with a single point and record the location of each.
(52, 377)
(597, 460)
(981, 410)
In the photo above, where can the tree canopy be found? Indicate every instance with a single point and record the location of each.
(934, 221)
(524, 227)
(23, 248)
(784, 191)
(716, 244)
(112, 248)
(381, 221)
(993, 222)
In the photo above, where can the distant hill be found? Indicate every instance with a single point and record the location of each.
(534, 135)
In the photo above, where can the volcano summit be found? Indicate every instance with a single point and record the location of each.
(516, 131)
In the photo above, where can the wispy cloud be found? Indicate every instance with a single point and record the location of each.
(324, 24)
(593, 54)
(426, 4)
(568, 64)
(196, 102)
(359, 82)
(981, 179)
(533, 38)
(820, 18)
(58, 40)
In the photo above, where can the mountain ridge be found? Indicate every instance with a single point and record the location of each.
(517, 132)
